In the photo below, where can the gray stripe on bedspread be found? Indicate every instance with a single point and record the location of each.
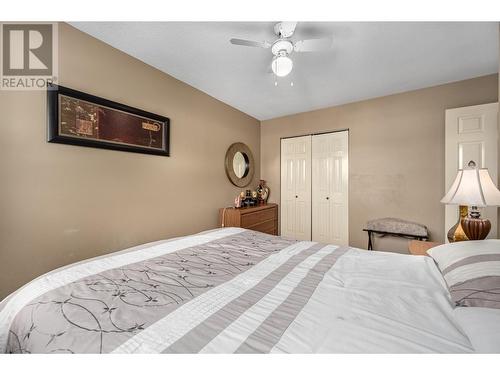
(268, 334)
(205, 332)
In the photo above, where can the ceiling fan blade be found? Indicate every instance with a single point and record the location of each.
(311, 45)
(250, 43)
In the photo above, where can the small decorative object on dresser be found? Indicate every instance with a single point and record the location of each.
(263, 192)
(249, 199)
(420, 247)
(238, 200)
(262, 218)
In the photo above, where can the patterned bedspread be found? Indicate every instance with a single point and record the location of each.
(230, 290)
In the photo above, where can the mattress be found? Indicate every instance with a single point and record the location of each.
(235, 291)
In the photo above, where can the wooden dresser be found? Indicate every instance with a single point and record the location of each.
(262, 218)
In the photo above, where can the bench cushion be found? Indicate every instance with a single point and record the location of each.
(399, 226)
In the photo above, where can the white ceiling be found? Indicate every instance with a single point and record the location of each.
(369, 59)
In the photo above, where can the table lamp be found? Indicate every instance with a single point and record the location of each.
(473, 187)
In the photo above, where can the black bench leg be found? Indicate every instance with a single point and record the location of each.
(370, 245)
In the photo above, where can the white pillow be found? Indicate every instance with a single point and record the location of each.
(471, 270)
(482, 327)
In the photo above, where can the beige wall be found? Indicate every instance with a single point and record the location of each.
(60, 203)
(396, 153)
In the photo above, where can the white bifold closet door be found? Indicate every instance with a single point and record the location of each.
(296, 188)
(330, 188)
(314, 188)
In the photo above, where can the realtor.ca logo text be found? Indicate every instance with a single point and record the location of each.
(28, 55)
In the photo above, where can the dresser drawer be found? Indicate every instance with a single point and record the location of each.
(266, 227)
(250, 219)
(262, 218)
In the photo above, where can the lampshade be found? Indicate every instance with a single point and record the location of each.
(473, 187)
(282, 66)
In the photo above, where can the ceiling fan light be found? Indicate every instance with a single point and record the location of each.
(282, 66)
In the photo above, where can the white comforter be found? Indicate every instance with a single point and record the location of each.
(377, 302)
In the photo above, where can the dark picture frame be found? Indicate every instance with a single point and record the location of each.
(81, 119)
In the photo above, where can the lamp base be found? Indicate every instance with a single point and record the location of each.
(476, 228)
(456, 233)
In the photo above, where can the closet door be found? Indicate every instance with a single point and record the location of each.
(330, 175)
(296, 188)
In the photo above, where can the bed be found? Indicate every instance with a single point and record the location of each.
(233, 290)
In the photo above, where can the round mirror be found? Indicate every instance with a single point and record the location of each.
(239, 164)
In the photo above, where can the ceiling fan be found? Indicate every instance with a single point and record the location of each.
(282, 47)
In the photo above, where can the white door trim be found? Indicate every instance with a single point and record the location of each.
(471, 133)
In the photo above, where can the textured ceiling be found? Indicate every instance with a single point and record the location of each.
(368, 59)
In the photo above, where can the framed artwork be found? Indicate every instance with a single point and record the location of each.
(81, 119)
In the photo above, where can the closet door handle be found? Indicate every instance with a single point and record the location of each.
(327, 198)
(296, 196)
